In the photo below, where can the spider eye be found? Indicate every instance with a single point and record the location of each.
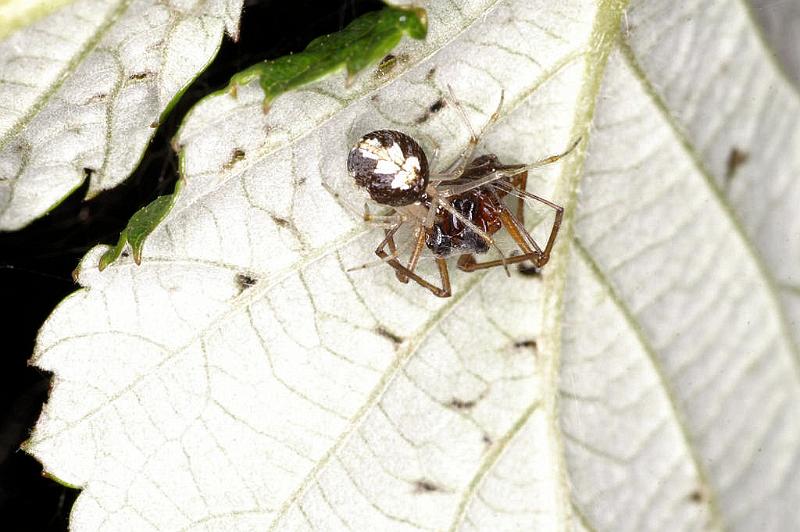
(391, 165)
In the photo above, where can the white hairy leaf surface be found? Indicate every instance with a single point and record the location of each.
(82, 91)
(244, 377)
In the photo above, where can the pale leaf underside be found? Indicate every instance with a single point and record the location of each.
(82, 91)
(242, 378)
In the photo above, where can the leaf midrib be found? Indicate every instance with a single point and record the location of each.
(641, 337)
(605, 29)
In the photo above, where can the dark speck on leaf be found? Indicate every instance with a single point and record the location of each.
(244, 281)
(236, 156)
(389, 63)
(696, 496)
(460, 404)
(99, 97)
(386, 64)
(388, 335)
(282, 222)
(425, 486)
(529, 270)
(736, 158)
(526, 344)
(437, 105)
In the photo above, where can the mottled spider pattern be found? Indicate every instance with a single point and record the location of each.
(391, 166)
(455, 212)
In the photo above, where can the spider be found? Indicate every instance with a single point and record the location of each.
(457, 211)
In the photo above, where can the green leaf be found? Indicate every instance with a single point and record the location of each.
(141, 224)
(362, 43)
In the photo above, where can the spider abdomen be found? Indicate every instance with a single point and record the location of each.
(391, 166)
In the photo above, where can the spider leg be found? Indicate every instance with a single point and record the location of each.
(559, 213)
(545, 256)
(414, 259)
(382, 220)
(468, 263)
(390, 241)
(520, 182)
(390, 256)
(553, 158)
(444, 275)
(458, 166)
(449, 188)
(430, 216)
(507, 172)
(443, 291)
(366, 216)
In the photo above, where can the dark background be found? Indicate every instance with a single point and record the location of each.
(36, 262)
